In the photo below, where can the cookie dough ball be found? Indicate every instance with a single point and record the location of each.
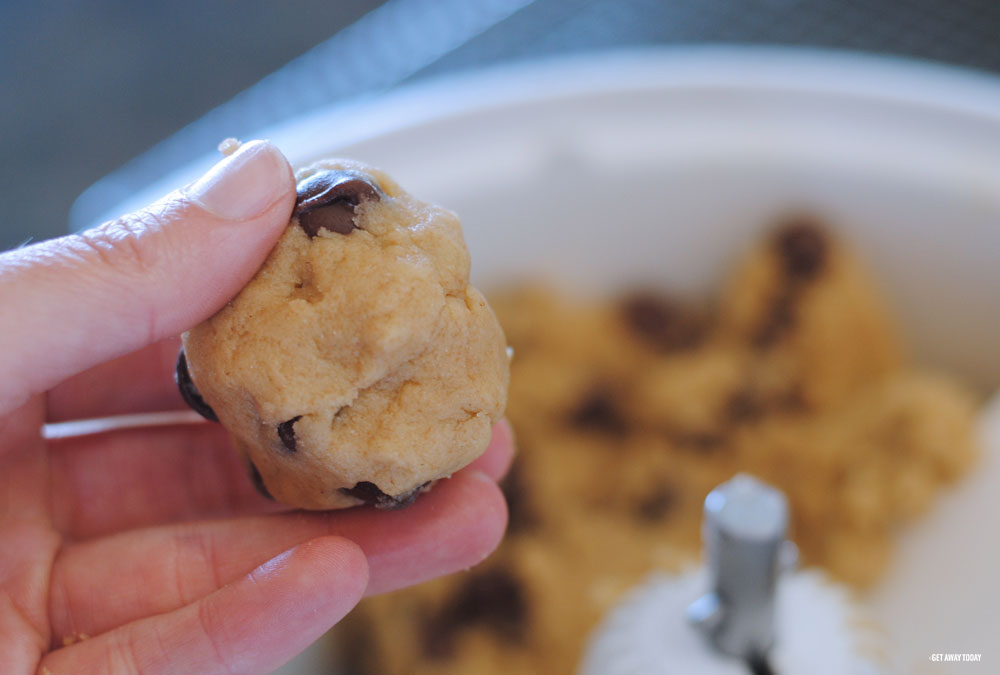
(358, 365)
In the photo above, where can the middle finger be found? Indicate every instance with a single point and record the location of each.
(128, 478)
(156, 570)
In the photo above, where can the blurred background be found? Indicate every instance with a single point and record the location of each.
(134, 89)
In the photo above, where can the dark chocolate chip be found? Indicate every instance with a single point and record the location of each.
(286, 432)
(258, 482)
(663, 323)
(369, 493)
(337, 218)
(328, 199)
(803, 247)
(189, 392)
(656, 505)
(492, 599)
(599, 411)
(521, 513)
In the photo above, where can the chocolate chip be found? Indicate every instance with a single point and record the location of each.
(369, 493)
(661, 322)
(286, 432)
(599, 411)
(258, 482)
(492, 599)
(521, 514)
(328, 199)
(803, 247)
(189, 392)
(657, 504)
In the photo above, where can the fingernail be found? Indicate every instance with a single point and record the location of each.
(243, 184)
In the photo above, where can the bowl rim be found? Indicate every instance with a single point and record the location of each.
(809, 71)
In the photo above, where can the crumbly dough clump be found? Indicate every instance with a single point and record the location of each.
(358, 365)
(629, 410)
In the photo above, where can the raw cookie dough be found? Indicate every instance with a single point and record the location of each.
(629, 411)
(359, 365)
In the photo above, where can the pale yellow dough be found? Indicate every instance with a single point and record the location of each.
(393, 366)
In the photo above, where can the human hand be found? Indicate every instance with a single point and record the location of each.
(147, 549)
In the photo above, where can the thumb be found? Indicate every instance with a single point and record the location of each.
(73, 302)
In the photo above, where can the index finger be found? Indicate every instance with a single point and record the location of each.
(71, 303)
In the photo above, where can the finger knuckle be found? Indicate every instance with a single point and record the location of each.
(193, 557)
(123, 653)
(212, 629)
(124, 245)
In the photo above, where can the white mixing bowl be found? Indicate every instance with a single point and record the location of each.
(659, 166)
